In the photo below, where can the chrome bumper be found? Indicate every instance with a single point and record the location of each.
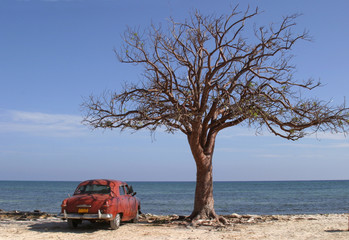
(99, 215)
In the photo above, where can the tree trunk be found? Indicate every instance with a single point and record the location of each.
(204, 202)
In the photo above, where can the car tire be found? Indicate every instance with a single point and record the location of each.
(135, 220)
(115, 223)
(72, 223)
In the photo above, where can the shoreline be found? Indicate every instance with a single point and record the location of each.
(173, 227)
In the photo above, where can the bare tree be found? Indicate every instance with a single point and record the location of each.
(202, 76)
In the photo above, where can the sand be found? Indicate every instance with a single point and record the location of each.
(326, 227)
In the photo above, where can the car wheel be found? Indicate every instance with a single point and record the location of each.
(115, 223)
(72, 223)
(135, 220)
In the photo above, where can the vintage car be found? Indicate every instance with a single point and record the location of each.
(101, 200)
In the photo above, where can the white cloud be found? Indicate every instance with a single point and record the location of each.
(320, 145)
(240, 131)
(341, 145)
(327, 135)
(62, 125)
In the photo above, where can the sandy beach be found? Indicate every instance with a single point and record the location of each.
(328, 226)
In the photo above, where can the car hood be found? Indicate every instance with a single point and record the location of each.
(91, 201)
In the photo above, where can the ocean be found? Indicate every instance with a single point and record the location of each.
(164, 198)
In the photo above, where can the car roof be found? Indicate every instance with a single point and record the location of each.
(110, 182)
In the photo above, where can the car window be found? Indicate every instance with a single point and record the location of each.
(128, 189)
(121, 190)
(93, 189)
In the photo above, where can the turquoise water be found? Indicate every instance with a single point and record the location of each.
(286, 197)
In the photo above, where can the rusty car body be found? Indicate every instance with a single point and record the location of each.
(112, 201)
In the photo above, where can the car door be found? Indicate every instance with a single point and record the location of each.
(124, 203)
(132, 204)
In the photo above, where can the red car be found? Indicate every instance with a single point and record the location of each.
(101, 200)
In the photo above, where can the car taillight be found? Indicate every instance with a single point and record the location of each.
(106, 204)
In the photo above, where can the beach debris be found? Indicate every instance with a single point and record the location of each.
(235, 215)
(229, 220)
(172, 219)
(155, 219)
(24, 215)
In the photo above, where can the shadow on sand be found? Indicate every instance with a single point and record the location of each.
(85, 227)
(337, 231)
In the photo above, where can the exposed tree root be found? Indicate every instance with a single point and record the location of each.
(219, 222)
(207, 219)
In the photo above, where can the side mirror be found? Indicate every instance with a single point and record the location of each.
(134, 193)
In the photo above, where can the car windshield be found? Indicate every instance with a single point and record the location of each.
(93, 188)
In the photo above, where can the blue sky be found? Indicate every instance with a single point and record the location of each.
(53, 53)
